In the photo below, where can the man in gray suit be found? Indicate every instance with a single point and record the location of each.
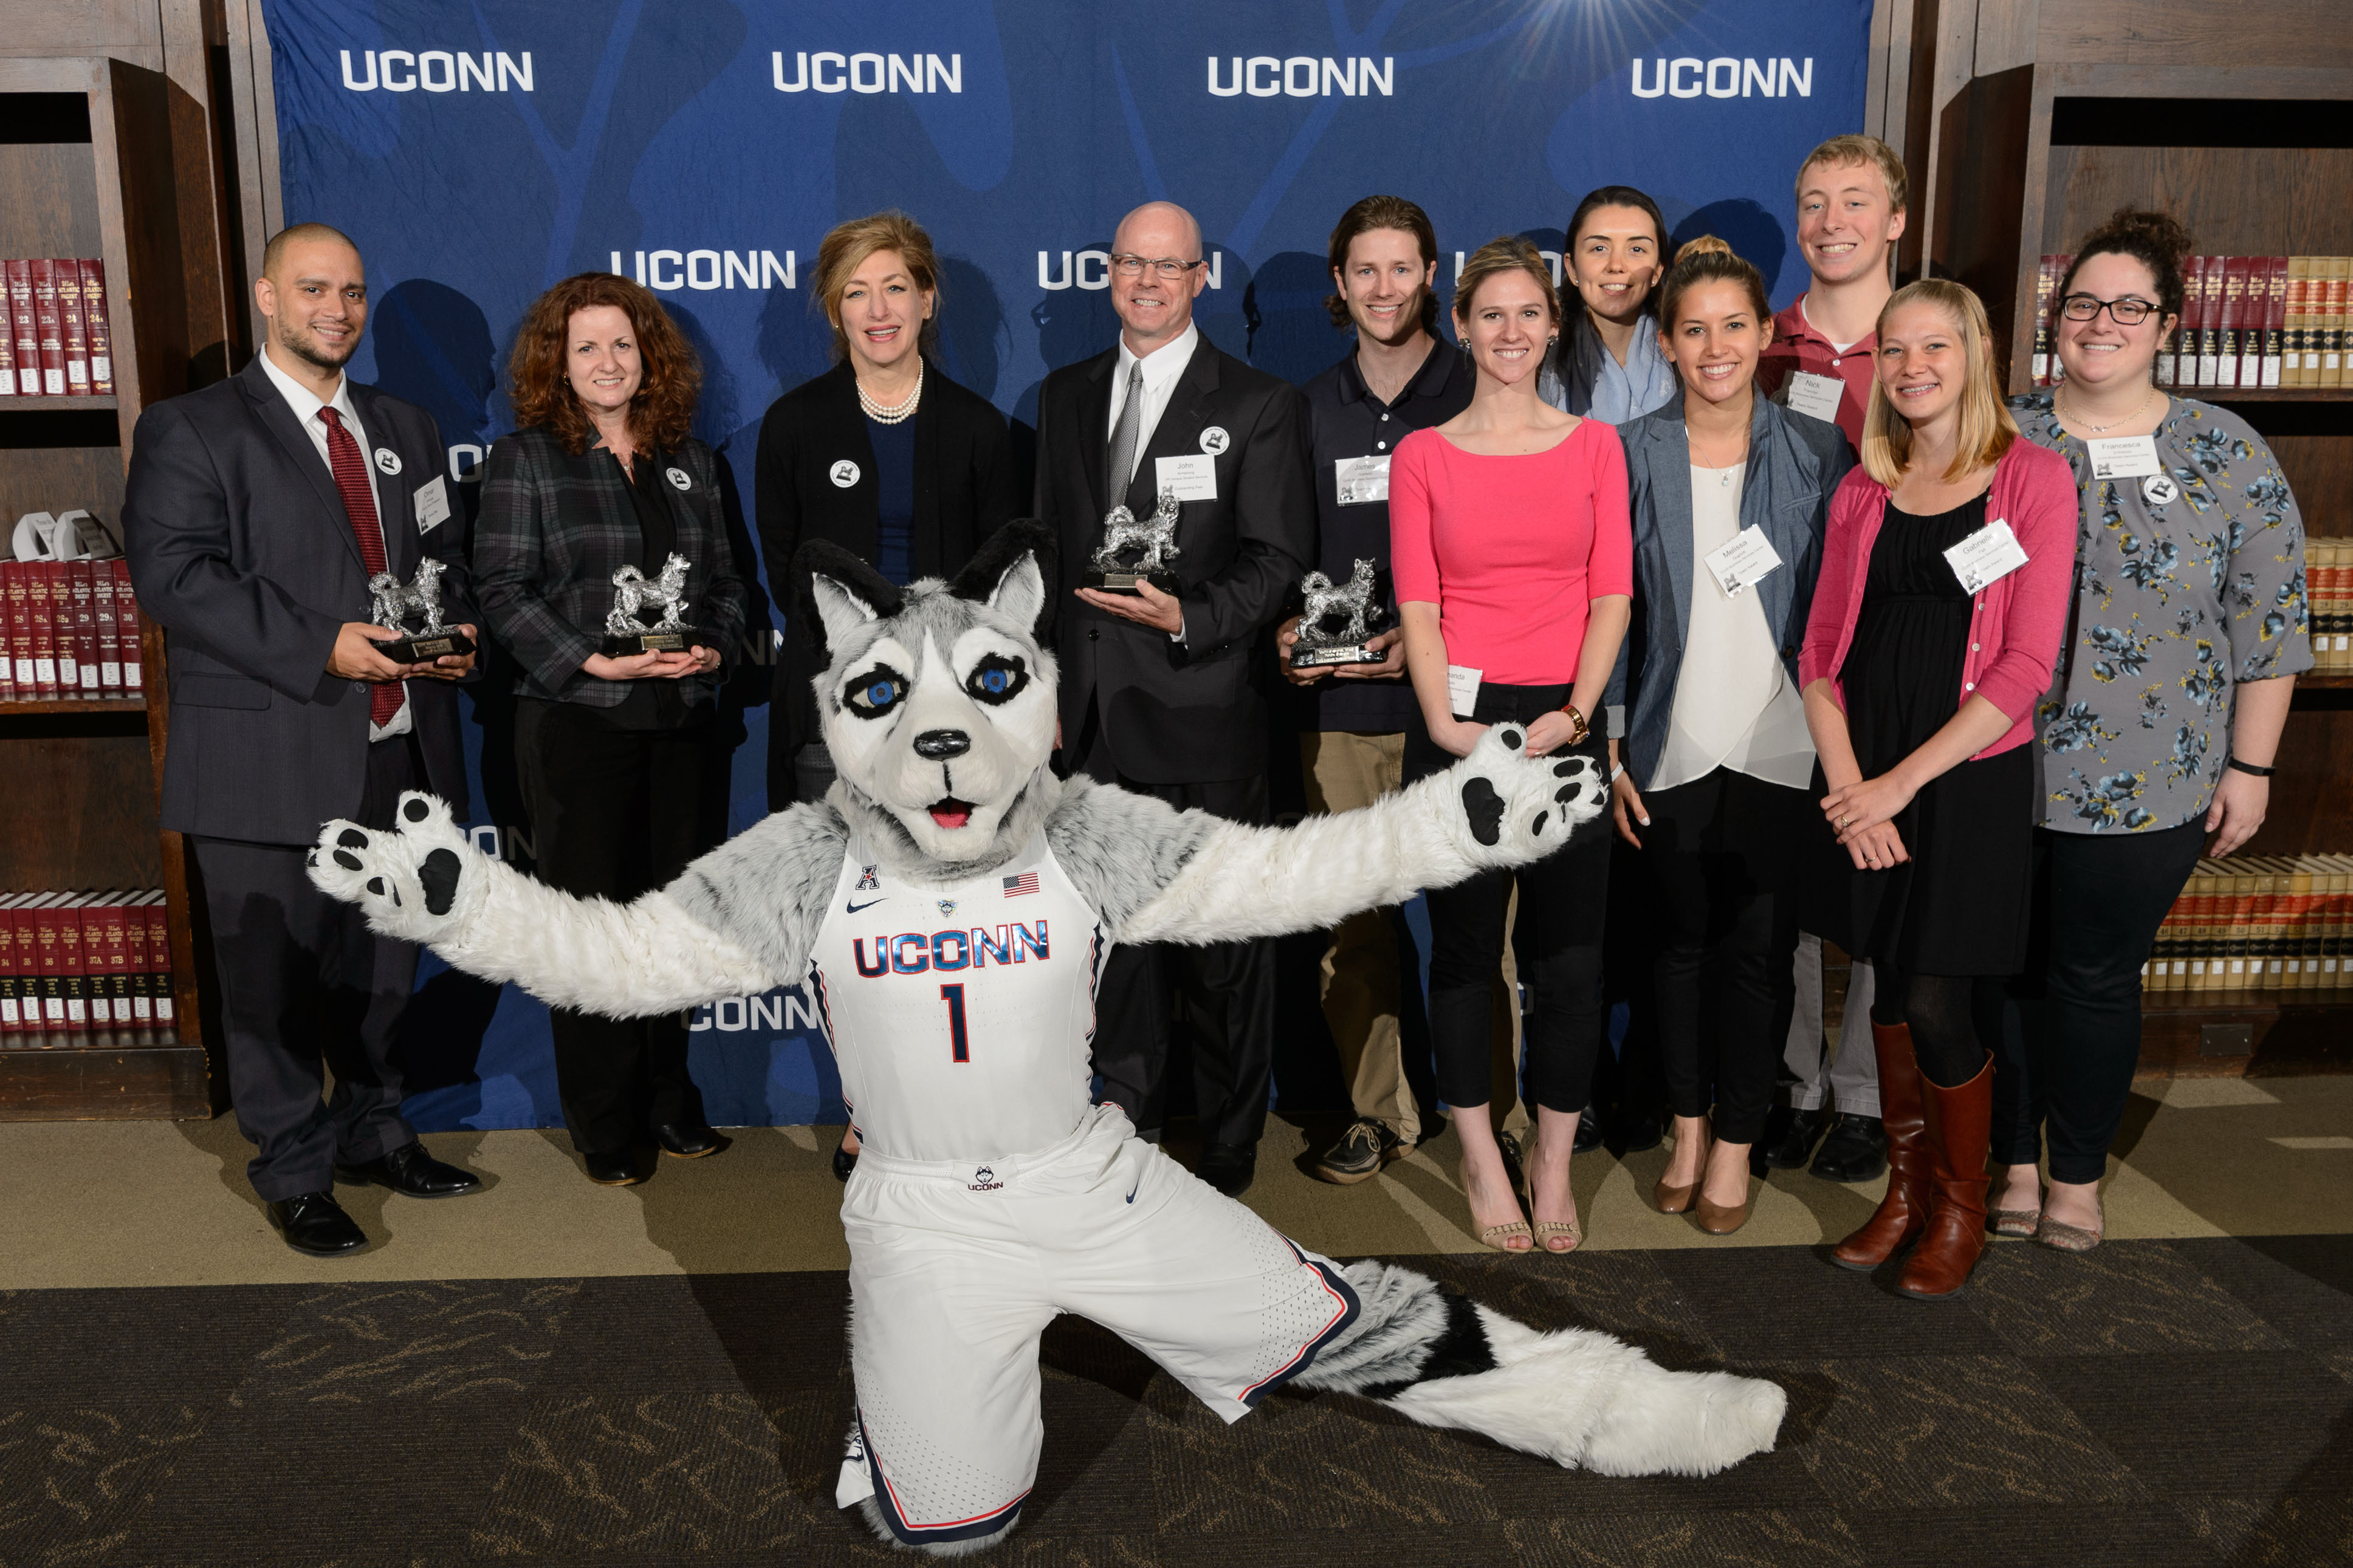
(257, 509)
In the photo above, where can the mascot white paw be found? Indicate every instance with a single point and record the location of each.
(412, 879)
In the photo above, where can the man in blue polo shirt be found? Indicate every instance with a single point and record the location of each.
(1400, 376)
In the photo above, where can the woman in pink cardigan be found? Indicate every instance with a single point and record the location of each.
(1944, 587)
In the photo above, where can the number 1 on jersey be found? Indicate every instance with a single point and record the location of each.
(953, 996)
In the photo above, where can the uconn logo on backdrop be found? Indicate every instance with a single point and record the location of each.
(1725, 76)
(826, 71)
(437, 70)
(709, 270)
(1092, 269)
(1304, 76)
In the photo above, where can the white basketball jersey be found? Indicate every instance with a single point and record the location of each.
(962, 1017)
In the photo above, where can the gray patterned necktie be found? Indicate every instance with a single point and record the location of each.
(1121, 468)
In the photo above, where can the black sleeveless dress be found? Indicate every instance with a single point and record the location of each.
(1959, 905)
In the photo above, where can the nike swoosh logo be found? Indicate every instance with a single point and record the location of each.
(868, 904)
(1133, 1191)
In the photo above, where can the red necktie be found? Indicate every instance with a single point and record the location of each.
(359, 504)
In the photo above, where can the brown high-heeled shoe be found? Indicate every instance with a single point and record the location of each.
(1903, 1213)
(1721, 1219)
(1673, 1200)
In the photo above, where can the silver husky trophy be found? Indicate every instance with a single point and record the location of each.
(394, 601)
(626, 635)
(1318, 645)
(1158, 537)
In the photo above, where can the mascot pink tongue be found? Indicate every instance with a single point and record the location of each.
(948, 907)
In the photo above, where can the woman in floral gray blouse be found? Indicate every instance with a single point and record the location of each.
(2155, 740)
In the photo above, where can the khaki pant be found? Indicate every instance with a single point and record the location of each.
(1346, 769)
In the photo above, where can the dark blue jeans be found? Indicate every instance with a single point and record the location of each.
(2066, 1062)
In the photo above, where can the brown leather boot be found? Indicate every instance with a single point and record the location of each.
(1903, 1213)
(1960, 1130)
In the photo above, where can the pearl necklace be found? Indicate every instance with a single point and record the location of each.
(2098, 429)
(882, 414)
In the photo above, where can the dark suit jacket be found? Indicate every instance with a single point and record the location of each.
(1188, 712)
(964, 492)
(240, 547)
(1795, 464)
(554, 527)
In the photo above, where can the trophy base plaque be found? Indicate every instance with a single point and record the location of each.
(1126, 582)
(1305, 657)
(676, 640)
(424, 648)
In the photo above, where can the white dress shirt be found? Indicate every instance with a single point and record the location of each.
(1162, 366)
(306, 404)
(1736, 705)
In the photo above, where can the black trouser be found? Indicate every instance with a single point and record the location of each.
(302, 978)
(1221, 996)
(1721, 852)
(615, 813)
(2098, 902)
(1564, 906)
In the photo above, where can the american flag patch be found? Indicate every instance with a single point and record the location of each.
(1025, 883)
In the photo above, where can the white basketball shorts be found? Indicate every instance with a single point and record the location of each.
(956, 1269)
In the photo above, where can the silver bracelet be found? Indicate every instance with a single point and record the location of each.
(1616, 772)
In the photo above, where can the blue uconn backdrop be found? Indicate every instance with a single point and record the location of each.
(479, 150)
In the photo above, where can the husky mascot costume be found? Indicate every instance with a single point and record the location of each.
(950, 905)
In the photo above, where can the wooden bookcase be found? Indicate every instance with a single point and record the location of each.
(86, 169)
(2255, 153)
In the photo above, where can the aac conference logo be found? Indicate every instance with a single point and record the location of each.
(826, 71)
(1305, 76)
(1725, 76)
(709, 270)
(437, 70)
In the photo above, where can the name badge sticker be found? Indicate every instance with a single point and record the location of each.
(2123, 458)
(1362, 480)
(432, 504)
(1462, 689)
(1989, 555)
(1186, 478)
(1816, 395)
(1744, 563)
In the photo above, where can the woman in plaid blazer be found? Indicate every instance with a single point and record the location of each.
(616, 756)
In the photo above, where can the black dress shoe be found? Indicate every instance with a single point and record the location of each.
(409, 1169)
(1590, 1134)
(316, 1223)
(687, 1141)
(1636, 1132)
(1789, 1137)
(1855, 1150)
(1513, 1171)
(1228, 1167)
(614, 1168)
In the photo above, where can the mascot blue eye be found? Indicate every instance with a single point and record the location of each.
(874, 693)
(997, 678)
(880, 692)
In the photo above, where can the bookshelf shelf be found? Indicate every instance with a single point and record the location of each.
(42, 708)
(22, 405)
(2268, 393)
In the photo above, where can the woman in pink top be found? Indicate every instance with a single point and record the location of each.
(1944, 582)
(1512, 556)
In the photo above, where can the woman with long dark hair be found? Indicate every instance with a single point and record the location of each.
(614, 755)
(1608, 365)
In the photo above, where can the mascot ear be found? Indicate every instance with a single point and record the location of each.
(1013, 570)
(839, 593)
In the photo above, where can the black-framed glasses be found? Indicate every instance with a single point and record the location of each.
(1165, 267)
(2128, 312)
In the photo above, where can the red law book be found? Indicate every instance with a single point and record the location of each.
(83, 577)
(7, 343)
(12, 1021)
(159, 962)
(2234, 309)
(126, 628)
(62, 624)
(73, 965)
(15, 581)
(110, 964)
(23, 960)
(8, 645)
(44, 628)
(95, 325)
(134, 934)
(46, 917)
(26, 324)
(109, 650)
(48, 327)
(70, 320)
(2272, 352)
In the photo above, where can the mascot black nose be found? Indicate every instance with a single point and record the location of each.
(939, 745)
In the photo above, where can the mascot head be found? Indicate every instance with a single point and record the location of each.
(937, 699)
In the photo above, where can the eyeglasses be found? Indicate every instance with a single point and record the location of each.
(2128, 311)
(1166, 267)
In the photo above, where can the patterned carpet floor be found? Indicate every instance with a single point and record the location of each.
(2155, 1403)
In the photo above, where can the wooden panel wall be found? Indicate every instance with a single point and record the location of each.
(2194, 32)
(81, 805)
(2240, 200)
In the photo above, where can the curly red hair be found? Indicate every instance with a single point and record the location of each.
(662, 411)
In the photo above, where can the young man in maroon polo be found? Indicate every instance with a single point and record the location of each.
(1851, 212)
